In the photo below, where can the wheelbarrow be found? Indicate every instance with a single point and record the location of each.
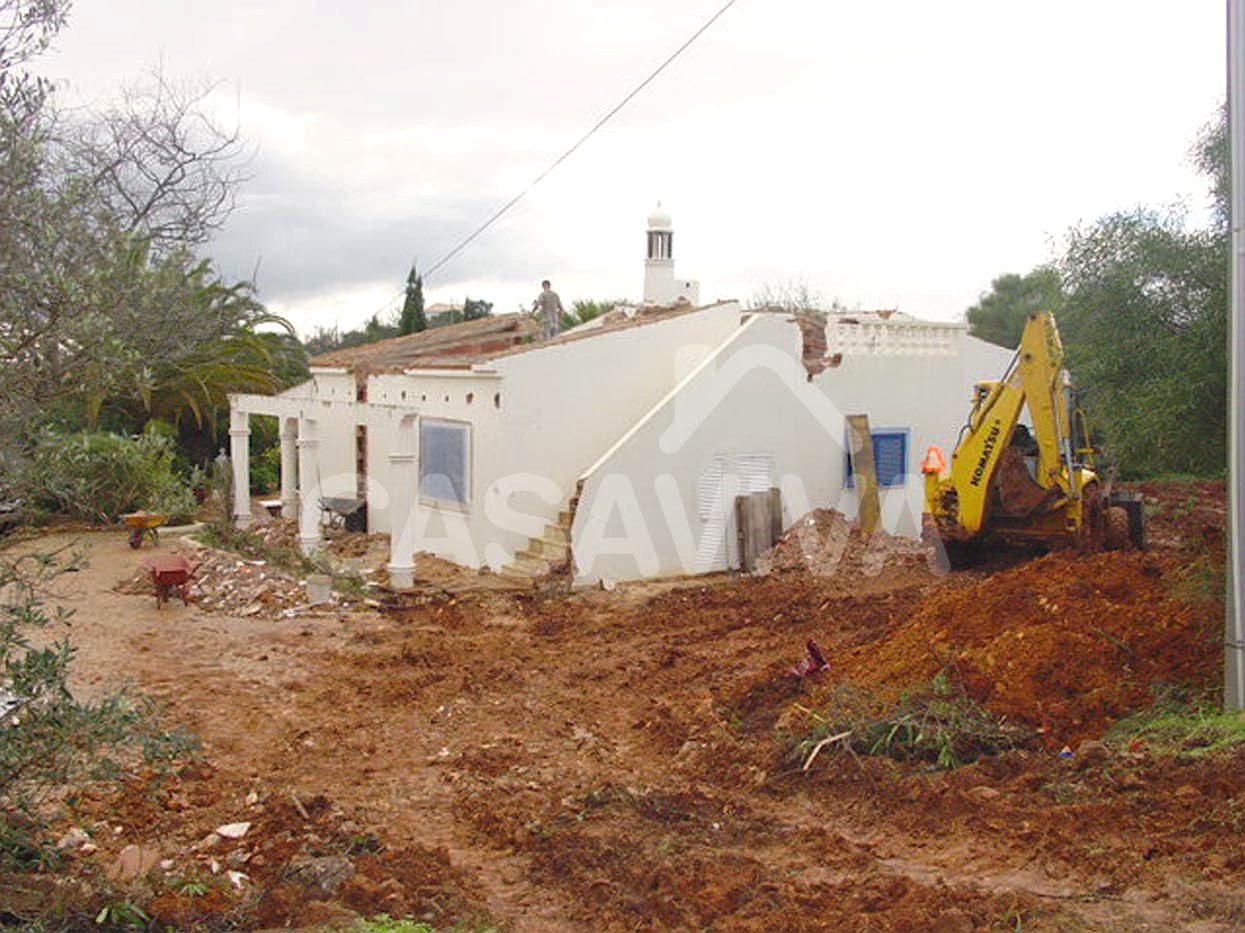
(143, 525)
(170, 573)
(340, 512)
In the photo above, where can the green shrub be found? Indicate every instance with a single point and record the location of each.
(51, 742)
(266, 471)
(99, 477)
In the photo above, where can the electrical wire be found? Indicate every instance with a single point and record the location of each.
(501, 211)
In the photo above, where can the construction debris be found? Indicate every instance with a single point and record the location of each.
(825, 542)
(224, 582)
(814, 663)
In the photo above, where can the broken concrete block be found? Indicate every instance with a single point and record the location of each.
(75, 839)
(323, 875)
(233, 830)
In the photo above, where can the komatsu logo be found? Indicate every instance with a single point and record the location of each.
(992, 440)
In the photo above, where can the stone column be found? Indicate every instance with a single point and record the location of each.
(402, 482)
(308, 487)
(289, 468)
(240, 456)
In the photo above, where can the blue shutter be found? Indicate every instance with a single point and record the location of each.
(890, 459)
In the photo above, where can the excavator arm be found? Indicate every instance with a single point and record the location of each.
(1029, 488)
(1036, 379)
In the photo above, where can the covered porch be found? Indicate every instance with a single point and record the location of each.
(325, 454)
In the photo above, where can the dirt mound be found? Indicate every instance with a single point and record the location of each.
(1065, 643)
(824, 543)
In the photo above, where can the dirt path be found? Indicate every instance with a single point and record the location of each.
(608, 762)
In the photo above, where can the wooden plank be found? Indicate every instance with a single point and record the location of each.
(775, 515)
(758, 526)
(741, 522)
(758, 522)
(864, 472)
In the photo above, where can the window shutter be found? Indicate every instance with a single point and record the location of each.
(890, 458)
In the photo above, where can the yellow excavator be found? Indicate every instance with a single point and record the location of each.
(1028, 483)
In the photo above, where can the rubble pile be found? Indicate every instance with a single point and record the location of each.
(224, 582)
(283, 533)
(279, 532)
(824, 542)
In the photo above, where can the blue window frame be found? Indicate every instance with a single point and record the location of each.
(890, 458)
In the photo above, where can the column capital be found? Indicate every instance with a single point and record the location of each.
(309, 443)
(239, 432)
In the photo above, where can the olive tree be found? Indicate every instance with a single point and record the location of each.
(1145, 320)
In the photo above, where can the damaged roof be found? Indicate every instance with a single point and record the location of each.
(459, 346)
(463, 342)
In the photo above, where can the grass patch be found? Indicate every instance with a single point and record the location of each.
(253, 547)
(937, 724)
(383, 923)
(1179, 724)
(1203, 579)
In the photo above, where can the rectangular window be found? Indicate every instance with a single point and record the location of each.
(890, 458)
(444, 460)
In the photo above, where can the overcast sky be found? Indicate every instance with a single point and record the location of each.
(888, 155)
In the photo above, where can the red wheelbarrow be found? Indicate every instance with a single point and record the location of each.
(170, 573)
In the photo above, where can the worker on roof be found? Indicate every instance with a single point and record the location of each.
(548, 308)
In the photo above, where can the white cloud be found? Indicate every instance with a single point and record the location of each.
(903, 153)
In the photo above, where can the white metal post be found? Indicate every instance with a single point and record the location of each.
(1234, 640)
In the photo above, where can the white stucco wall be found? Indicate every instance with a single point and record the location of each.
(642, 513)
(540, 418)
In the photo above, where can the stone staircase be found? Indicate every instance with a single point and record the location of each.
(548, 554)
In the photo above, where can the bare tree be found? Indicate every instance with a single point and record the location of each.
(100, 217)
(792, 295)
(159, 165)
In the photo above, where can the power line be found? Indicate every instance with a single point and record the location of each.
(500, 212)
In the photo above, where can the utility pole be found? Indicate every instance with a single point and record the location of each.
(1234, 635)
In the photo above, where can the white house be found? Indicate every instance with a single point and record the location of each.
(441, 310)
(619, 448)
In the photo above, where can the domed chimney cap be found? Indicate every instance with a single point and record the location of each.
(659, 219)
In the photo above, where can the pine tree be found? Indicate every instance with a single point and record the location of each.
(413, 319)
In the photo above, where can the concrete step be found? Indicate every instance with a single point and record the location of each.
(558, 533)
(529, 564)
(545, 548)
(536, 556)
(510, 573)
